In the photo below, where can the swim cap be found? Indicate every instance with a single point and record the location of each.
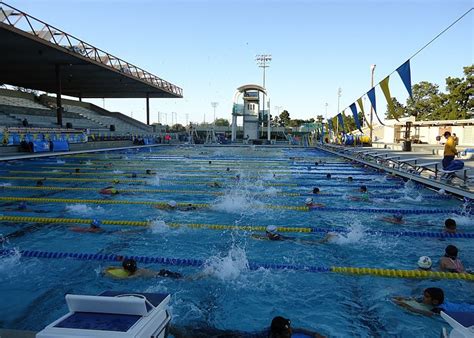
(309, 200)
(398, 216)
(96, 223)
(424, 262)
(172, 204)
(272, 229)
(442, 192)
(116, 181)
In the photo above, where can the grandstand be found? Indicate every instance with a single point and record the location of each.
(66, 65)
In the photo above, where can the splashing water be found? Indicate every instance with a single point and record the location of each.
(237, 201)
(85, 210)
(5, 184)
(118, 171)
(159, 227)
(227, 267)
(355, 234)
(88, 162)
(60, 162)
(8, 263)
(155, 180)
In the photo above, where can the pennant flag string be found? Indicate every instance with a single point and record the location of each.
(356, 116)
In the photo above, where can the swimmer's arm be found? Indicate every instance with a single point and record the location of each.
(400, 301)
(308, 333)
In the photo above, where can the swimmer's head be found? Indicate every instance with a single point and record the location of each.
(172, 204)
(134, 175)
(450, 225)
(442, 192)
(129, 265)
(316, 190)
(328, 176)
(363, 188)
(95, 224)
(425, 263)
(308, 201)
(398, 216)
(350, 179)
(272, 229)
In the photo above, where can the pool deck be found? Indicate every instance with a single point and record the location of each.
(458, 188)
(4, 333)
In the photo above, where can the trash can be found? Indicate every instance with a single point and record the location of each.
(406, 146)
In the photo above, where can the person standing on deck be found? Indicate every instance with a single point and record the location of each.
(449, 149)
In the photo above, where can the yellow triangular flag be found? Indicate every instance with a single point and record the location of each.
(388, 97)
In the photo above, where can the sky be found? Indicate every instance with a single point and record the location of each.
(208, 48)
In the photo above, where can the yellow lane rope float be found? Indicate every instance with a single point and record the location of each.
(25, 219)
(196, 192)
(402, 273)
(109, 201)
(172, 182)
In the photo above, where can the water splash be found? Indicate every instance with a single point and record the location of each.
(60, 162)
(159, 227)
(237, 201)
(9, 262)
(155, 181)
(5, 184)
(227, 267)
(88, 162)
(354, 235)
(116, 171)
(85, 210)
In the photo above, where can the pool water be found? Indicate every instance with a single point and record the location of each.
(261, 186)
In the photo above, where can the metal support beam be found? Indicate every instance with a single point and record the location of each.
(148, 109)
(59, 109)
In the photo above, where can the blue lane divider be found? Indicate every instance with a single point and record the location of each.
(146, 260)
(394, 211)
(400, 233)
(384, 197)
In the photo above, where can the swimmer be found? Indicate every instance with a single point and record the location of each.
(23, 207)
(134, 175)
(364, 197)
(188, 207)
(316, 190)
(150, 172)
(394, 219)
(328, 176)
(311, 205)
(450, 226)
(214, 185)
(227, 169)
(271, 233)
(425, 263)
(39, 183)
(77, 170)
(129, 269)
(450, 261)
(115, 181)
(109, 191)
(433, 302)
(350, 179)
(94, 227)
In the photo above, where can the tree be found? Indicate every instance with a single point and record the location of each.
(285, 118)
(177, 128)
(320, 118)
(221, 122)
(400, 110)
(426, 101)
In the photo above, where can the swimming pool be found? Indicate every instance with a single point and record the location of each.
(262, 186)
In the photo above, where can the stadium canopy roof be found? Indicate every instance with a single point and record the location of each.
(33, 54)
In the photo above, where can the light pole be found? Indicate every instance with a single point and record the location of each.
(214, 105)
(339, 93)
(372, 69)
(263, 61)
(326, 114)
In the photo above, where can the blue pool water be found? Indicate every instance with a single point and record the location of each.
(231, 295)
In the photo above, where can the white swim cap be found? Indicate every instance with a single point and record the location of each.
(442, 192)
(172, 204)
(309, 200)
(272, 229)
(424, 262)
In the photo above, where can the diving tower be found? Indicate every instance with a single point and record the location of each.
(249, 110)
